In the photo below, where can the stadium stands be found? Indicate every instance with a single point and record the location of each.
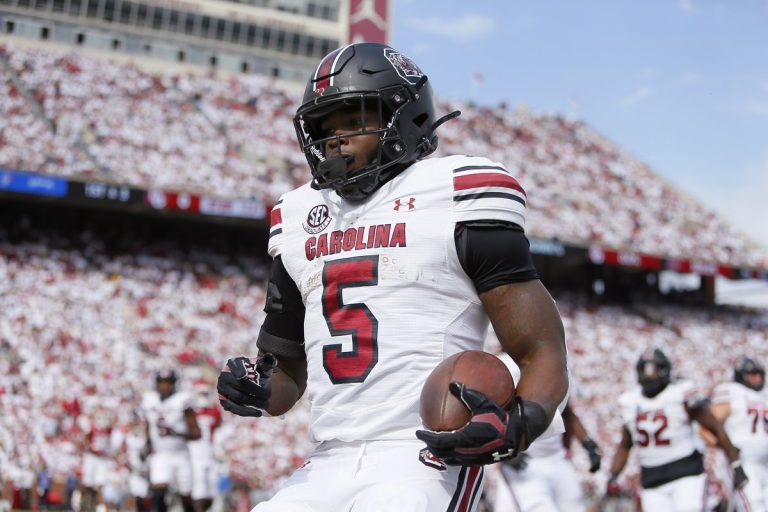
(233, 137)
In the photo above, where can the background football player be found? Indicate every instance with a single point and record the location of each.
(658, 419)
(170, 424)
(204, 464)
(384, 265)
(742, 406)
(97, 461)
(543, 478)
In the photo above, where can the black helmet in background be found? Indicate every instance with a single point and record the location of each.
(747, 365)
(379, 79)
(654, 371)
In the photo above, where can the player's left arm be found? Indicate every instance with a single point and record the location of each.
(193, 428)
(529, 329)
(495, 256)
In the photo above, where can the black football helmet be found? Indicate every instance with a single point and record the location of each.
(653, 372)
(748, 365)
(374, 78)
(163, 376)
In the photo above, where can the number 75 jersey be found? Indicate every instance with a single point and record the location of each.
(385, 296)
(660, 426)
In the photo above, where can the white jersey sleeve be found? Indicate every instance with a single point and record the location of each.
(276, 229)
(628, 408)
(485, 190)
(724, 393)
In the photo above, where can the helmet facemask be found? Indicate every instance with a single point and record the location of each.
(331, 171)
(748, 366)
(653, 373)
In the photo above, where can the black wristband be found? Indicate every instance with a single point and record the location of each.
(589, 444)
(535, 421)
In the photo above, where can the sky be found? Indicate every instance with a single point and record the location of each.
(680, 84)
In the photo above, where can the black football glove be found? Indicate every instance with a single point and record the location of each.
(594, 454)
(244, 384)
(739, 476)
(492, 433)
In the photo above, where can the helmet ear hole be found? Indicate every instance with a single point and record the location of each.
(392, 149)
(421, 119)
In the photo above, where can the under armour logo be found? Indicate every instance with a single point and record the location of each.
(400, 204)
(499, 456)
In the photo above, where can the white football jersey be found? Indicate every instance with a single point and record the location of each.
(551, 446)
(661, 430)
(747, 425)
(208, 419)
(386, 297)
(167, 425)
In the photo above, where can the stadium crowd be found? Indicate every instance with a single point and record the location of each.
(90, 315)
(233, 137)
(84, 331)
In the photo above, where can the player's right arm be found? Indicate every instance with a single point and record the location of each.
(274, 381)
(619, 461)
(622, 453)
(282, 334)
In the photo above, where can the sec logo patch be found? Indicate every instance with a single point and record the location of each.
(317, 219)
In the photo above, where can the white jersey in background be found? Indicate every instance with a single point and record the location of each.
(387, 299)
(747, 424)
(208, 419)
(747, 427)
(661, 430)
(205, 474)
(167, 426)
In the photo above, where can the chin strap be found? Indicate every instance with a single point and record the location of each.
(428, 143)
(332, 170)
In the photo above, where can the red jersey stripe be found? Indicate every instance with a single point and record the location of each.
(275, 217)
(486, 179)
(474, 471)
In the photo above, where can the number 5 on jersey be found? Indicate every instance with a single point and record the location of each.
(353, 319)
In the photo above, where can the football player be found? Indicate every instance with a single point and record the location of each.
(742, 406)
(97, 461)
(384, 265)
(204, 464)
(658, 419)
(543, 478)
(170, 424)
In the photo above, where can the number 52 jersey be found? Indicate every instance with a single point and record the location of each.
(386, 298)
(660, 426)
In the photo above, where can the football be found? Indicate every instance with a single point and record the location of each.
(440, 410)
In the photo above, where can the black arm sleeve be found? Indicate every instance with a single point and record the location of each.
(282, 332)
(494, 253)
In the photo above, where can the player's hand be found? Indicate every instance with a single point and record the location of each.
(491, 435)
(739, 476)
(613, 489)
(595, 457)
(244, 384)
